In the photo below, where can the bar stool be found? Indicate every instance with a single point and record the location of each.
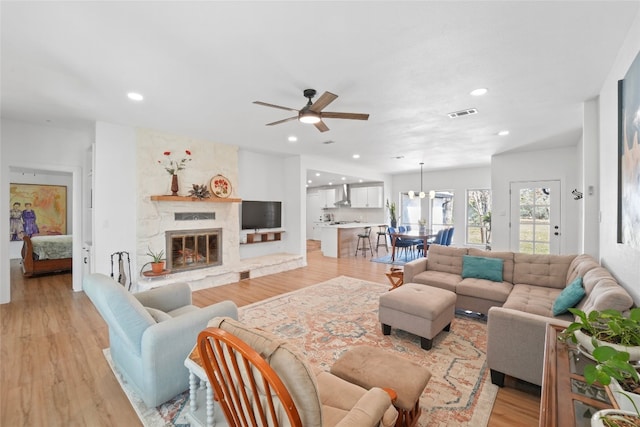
(382, 232)
(364, 238)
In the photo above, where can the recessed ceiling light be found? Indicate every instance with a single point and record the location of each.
(503, 133)
(331, 183)
(356, 156)
(479, 92)
(135, 96)
(317, 173)
(292, 138)
(309, 181)
(343, 178)
(359, 180)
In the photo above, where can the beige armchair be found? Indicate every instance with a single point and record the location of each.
(304, 397)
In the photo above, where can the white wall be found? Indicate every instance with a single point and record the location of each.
(456, 180)
(262, 177)
(29, 146)
(554, 164)
(589, 240)
(621, 259)
(114, 195)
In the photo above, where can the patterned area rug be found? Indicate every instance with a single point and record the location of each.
(327, 319)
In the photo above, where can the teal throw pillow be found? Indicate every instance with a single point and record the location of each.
(479, 267)
(569, 297)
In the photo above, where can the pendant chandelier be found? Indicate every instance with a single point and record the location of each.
(412, 194)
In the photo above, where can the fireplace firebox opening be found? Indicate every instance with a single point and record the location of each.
(193, 249)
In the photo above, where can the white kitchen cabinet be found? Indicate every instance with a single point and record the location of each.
(366, 197)
(327, 198)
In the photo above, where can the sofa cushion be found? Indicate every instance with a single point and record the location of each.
(158, 315)
(569, 297)
(603, 292)
(507, 257)
(479, 267)
(532, 299)
(484, 289)
(541, 270)
(446, 259)
(438, 279)
(580, 266)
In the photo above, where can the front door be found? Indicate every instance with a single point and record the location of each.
(535, 217)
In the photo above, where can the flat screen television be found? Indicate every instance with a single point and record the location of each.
(260, 214)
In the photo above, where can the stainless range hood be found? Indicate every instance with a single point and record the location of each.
(345, 202)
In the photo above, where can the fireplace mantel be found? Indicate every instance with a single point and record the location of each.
(194, 199)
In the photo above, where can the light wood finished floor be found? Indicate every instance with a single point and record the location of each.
(53, 373)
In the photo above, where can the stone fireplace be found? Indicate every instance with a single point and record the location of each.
(193, 249)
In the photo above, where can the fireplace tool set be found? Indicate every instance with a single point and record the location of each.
(122, 273)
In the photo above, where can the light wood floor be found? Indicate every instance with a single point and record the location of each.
(53, 373)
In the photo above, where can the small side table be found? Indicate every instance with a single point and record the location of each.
(201, 401)
(396, 277)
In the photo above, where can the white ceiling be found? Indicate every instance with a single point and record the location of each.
(200, 65)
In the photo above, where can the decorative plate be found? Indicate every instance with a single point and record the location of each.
(220, 186)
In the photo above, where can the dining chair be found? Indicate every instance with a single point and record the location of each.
(400, 242)
(449, 236)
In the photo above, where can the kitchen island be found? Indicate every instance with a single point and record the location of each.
(339, 240)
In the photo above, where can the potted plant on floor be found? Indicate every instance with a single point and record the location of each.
(606, 327)
(392, 213)
(157, 265)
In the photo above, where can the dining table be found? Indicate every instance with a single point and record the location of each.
(410, 235)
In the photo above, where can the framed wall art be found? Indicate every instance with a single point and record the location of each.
(37, 209)
(629, 156)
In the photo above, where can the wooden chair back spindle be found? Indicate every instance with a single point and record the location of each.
(236, 372)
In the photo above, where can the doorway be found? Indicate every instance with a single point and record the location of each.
(535, 217)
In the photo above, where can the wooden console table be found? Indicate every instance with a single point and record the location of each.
(567, 400)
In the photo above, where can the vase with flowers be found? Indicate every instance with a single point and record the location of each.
(172, 166)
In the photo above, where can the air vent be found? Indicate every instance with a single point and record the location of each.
(193, 216)
(328, 142)
(463, 113)
(244, 275)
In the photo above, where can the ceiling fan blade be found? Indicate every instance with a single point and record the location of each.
(324, 100)
(274, 106)
(283, 121)
(321, 126)
(351, 116)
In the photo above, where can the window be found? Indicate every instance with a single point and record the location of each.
(479, 217)
(410, 210)
(441, 210)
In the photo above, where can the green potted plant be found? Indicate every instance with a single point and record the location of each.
(157, 265)
(613, 368)
(606, 327)
(392, 213)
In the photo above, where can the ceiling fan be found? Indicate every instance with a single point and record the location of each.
(312, 112)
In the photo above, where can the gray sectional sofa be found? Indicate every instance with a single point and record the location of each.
(519, 307)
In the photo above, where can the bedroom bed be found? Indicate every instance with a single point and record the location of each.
(46, 254)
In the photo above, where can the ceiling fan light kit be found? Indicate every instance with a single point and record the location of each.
(312, 112)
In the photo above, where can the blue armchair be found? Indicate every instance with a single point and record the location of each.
(151, 333)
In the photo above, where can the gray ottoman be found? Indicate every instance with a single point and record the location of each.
(419, 309)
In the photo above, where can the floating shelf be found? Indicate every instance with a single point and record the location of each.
(267, 236)
(194, 199)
